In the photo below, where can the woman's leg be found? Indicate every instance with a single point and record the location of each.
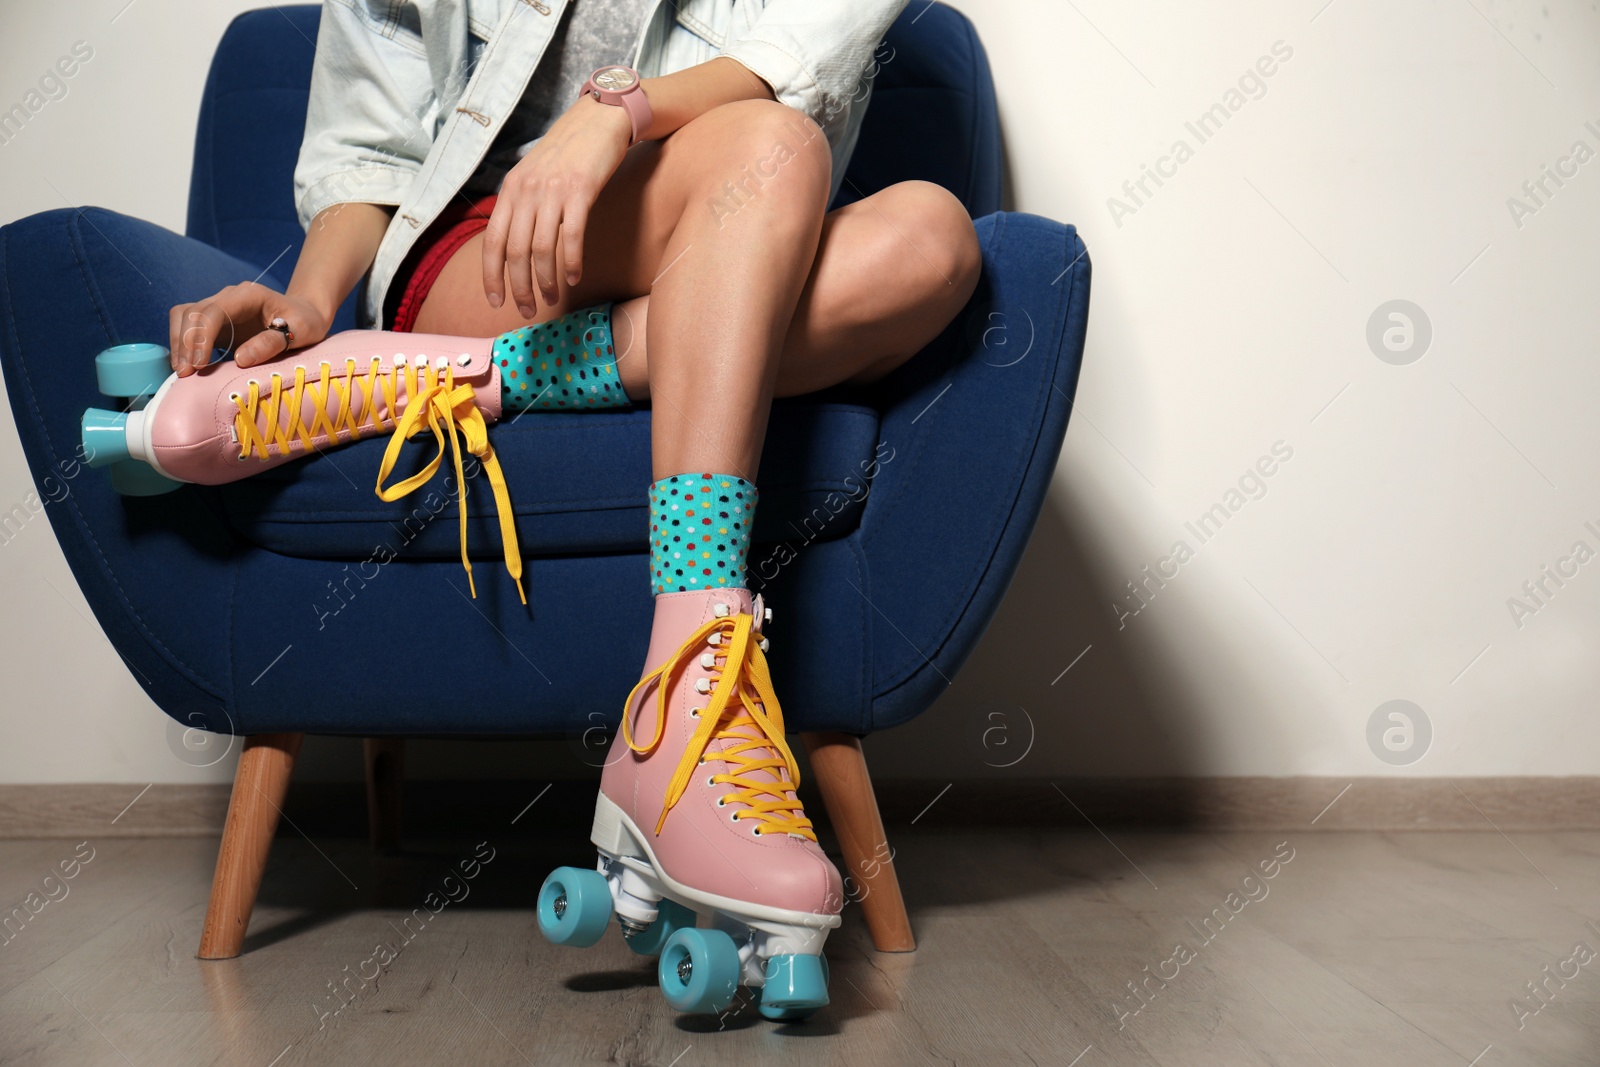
(721, 224)
(889, 272)
(731, 277)
(874, 298)
(722, 227)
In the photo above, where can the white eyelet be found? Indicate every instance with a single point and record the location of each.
(399, 359)
(464, 359)
(325, 365)
(439, 364)
(708, 660)
(720, 610)
(252, 381)
(755, 831)
(694, 713)
(702, 685)
(769, 615)
(234, 397)
(714, 639)
(721, 803)
(765, 644)
(711, 783)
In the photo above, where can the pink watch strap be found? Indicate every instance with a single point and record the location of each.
(637, 105)
(632, 100)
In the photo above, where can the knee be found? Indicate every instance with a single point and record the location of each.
(764, 145)
(932, 217)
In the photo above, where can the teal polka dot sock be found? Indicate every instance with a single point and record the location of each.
(700, 532)
(566, 364)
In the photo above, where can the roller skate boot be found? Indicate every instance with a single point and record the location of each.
(698, 813)
(226, 422)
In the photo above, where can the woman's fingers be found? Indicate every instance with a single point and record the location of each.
(536, 233)
(175, 337)
(519, 250)
(546, 231)
(269, 344)
(574, 221)
(237, 318)
(196, 329)
(494, 249)
(266, 345)
(192, 336)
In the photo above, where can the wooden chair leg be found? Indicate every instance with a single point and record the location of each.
(259, 786)
(386, 766)
(840, 769)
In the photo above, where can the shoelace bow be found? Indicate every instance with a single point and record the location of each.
(741, 699)
(435, 402)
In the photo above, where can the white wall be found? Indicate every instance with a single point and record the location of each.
(1230, 313)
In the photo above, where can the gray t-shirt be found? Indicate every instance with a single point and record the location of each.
(592, 33)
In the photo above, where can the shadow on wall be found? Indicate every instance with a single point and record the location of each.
(1053, 688)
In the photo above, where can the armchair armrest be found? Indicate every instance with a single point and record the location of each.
(975, 425)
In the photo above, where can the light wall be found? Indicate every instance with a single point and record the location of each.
(1410, 499)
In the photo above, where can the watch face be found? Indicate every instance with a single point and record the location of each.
(615, 79)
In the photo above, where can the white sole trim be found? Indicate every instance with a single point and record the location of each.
(620, 841)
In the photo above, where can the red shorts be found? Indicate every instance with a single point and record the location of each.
(454, 227)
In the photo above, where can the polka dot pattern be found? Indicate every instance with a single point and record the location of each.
(700, 532)
(566, 364)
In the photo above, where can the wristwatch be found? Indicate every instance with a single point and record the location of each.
(621, 86)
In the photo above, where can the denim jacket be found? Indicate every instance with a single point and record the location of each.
(408, 95)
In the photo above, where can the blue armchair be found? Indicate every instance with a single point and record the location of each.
(238, 607)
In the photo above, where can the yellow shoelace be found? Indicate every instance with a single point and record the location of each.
(742, 699)
(435, 402)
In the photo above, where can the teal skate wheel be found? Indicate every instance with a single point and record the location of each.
(670, 918)
(796, 987)
(699, 970)
(574, 907)
(130, 371)
(105, 436)
(133, 478)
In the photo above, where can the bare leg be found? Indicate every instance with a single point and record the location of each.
(879, 280)
(874, 298)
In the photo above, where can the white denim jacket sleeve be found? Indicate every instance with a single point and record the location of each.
(364, 140)
(814, 52)
(407, 96)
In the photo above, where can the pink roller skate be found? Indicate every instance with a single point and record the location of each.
(226, 422)
(702, 815)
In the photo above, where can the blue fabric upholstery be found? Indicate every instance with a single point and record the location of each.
(578, 485)
(275, 605)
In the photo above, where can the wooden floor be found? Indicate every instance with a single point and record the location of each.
(1364, 948)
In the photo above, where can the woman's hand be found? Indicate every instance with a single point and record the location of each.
(538, 222)
(237, 318)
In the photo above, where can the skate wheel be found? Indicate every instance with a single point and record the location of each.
(133, 478)
(796, 987)
(130, 371)
(670, 918)
(104, 435)
(786, 1015)
(574, 907)
(699, 970)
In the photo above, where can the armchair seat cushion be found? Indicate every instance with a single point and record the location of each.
(578, 486)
